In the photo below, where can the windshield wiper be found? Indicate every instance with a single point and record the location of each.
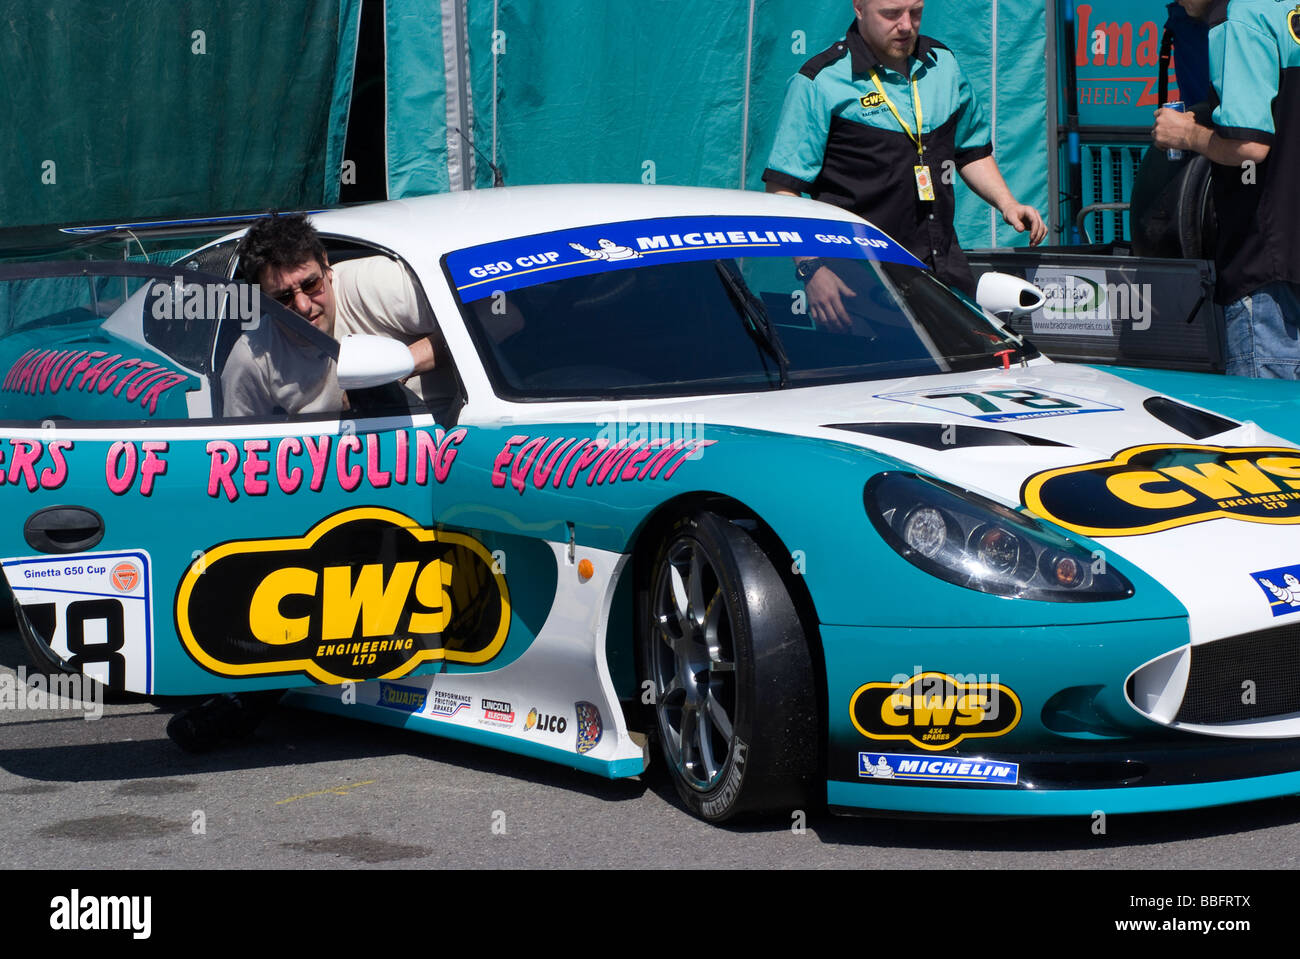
(757, 322)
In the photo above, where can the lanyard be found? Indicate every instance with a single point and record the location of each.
(916, 100)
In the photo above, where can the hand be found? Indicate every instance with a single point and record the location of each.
(1023, 217)
(1173, 130)
(826, 293)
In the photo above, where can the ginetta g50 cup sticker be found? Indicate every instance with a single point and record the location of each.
(94, 610)
(1000, 405)
(934, 711)
(365, 594)
(1147, 489)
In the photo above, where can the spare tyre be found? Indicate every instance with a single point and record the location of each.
(1171, 210)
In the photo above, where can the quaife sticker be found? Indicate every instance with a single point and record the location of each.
(934, 710)
(409, 699)
(1147, 489)
(365, 594)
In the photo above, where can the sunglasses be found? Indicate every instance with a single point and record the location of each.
(310, 287)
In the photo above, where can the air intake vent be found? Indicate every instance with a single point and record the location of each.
(939, 436)
(1190, 422)
(1268, 661)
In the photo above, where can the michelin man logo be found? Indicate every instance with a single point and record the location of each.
(609, 250)
(880, 770)
(1284, 599)
(1290, 594)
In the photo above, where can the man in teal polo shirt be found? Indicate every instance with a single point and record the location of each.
(877, 123)
(1255, 149)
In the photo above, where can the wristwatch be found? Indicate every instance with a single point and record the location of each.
(806, 268)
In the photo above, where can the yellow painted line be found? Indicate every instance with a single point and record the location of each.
(333, 791)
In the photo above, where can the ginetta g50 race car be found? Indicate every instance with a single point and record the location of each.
(898, 562)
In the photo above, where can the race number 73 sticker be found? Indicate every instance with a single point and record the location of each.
(365, 594)
(1002, 405)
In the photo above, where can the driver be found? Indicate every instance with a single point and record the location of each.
(272, 369)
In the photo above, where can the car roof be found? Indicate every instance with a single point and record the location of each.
(427, 227)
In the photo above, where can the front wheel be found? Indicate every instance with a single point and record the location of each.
(730, 674)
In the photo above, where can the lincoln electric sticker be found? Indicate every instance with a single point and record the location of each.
(306, 605)
(514, 264)
(94, 611)
(1146, 489)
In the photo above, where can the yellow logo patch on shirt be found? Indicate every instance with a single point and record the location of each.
(872, 100)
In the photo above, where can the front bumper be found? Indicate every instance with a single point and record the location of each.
(1077, 744)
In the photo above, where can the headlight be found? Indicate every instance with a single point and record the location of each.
(974, 542)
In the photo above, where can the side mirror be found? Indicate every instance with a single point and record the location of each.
(1007, 296)
(366, 361)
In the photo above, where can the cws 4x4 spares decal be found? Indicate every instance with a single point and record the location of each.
(934, 710)
(1151, 488)
(307, 605)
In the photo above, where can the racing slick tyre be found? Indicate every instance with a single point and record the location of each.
(731, 677)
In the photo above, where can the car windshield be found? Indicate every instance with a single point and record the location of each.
(692, 305)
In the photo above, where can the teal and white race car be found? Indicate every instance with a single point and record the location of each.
(899, 561)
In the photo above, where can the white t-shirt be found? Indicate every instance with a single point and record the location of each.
(271, 368)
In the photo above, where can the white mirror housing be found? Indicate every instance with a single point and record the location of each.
(1007, 296)
(366, 360)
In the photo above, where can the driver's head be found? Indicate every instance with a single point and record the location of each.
(285, 257)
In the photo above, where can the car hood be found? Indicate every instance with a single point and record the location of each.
(1052, 438)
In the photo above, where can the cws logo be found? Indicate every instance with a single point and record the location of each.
(872, 100)
(934, 710)
(1293, 24)
(1147, 489)
(312, 605)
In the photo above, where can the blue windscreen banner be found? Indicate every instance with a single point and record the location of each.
(521, 262)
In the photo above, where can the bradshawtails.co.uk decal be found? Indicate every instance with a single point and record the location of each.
(307, 605)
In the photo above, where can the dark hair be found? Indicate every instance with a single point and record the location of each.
(280, 242)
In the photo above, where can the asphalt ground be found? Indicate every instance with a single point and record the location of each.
(312, 791)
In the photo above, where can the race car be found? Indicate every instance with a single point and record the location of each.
(894, 560)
